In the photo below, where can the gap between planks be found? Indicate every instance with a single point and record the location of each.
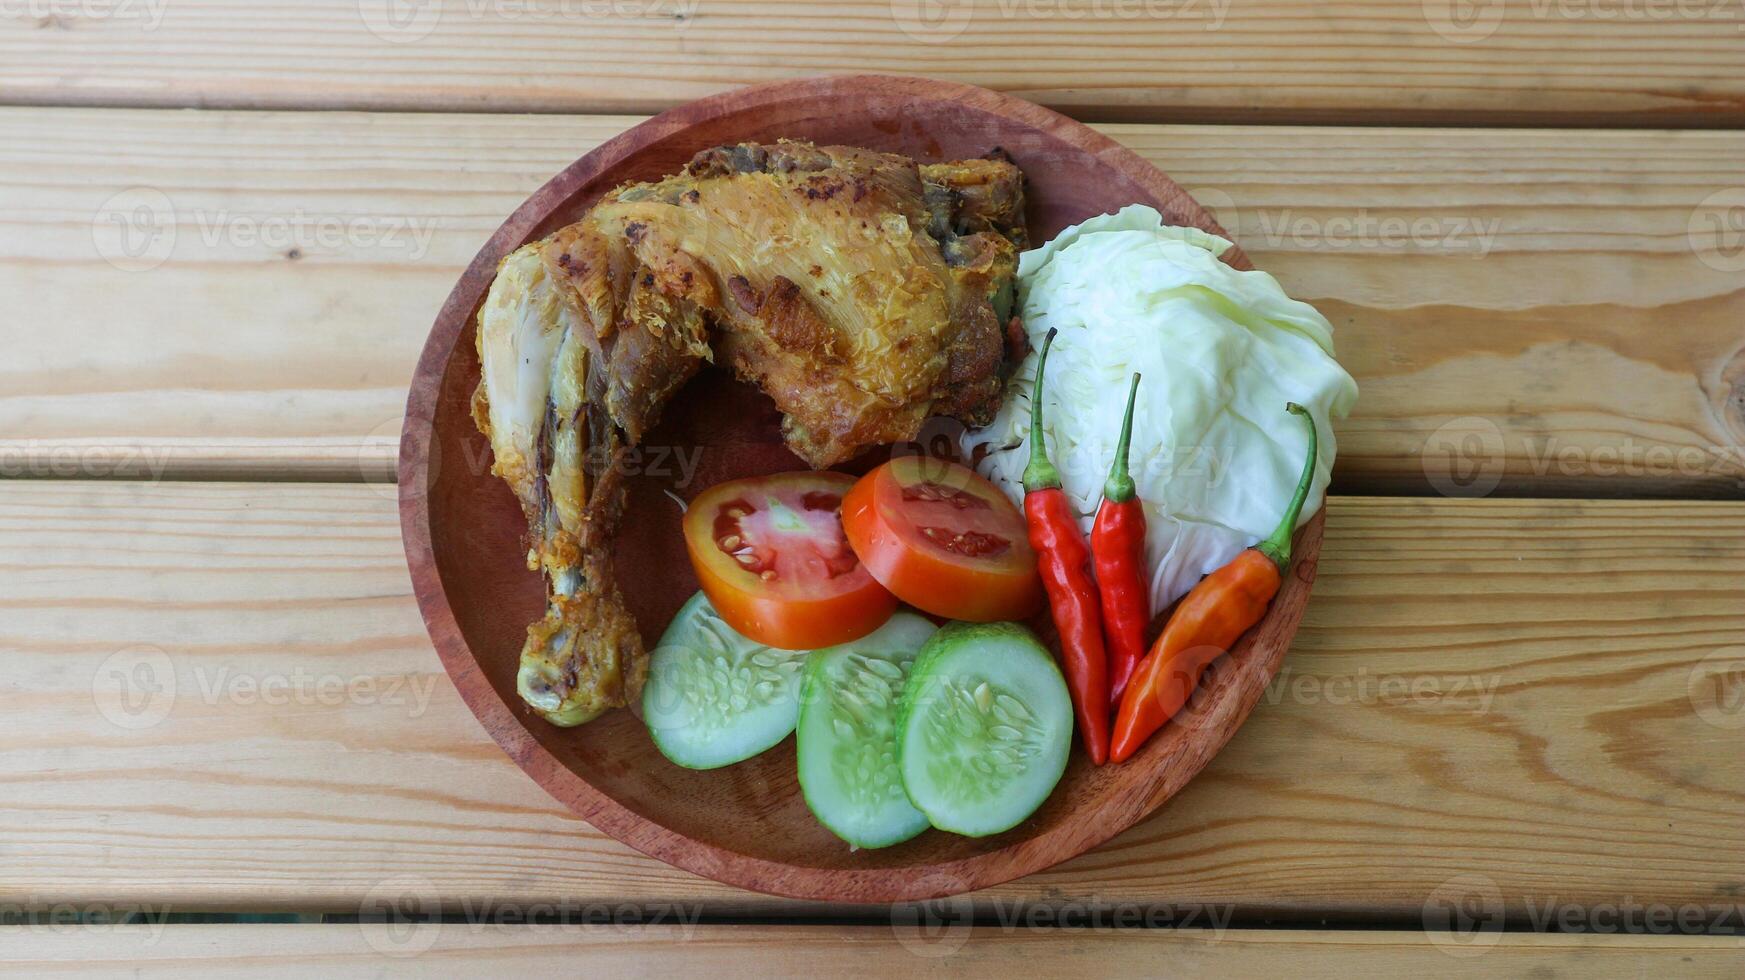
(750, 951)
(1282, 60)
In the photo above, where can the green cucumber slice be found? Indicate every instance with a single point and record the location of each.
(984, 728)
(847, 736)
(713, 697)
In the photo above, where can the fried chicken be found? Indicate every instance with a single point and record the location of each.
(862, 292)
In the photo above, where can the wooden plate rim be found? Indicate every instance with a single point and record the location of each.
(1136, 796)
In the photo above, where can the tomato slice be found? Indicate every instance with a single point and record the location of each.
(771, 556)
(944, 540)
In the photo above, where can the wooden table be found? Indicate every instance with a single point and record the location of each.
(1510, 730)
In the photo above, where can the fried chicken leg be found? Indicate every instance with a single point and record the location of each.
(862, 292)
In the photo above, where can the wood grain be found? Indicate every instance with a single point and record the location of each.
(456, 949)
(1366, 61)
(1592, 353)
(1495, 700)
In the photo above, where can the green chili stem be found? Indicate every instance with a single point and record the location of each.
(1040, 474)
(1119, 488)
(1278, 546)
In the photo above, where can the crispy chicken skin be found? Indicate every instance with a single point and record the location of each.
(862, 292)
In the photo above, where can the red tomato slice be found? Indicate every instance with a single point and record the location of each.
(771, 556)
(944, 540)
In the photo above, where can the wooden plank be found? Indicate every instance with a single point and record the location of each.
(221, 695)
(1622, 61)
(1563, 320)
(454, 949)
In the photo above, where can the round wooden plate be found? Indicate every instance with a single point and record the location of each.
(747, 825)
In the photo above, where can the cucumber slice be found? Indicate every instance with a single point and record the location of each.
(847, 735)
(713, 697)
(984, 728)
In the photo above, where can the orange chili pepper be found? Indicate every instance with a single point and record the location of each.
(1208, 622)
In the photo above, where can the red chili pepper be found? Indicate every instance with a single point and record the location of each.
(1118, 546)
(1208, 622)
(1065, 564)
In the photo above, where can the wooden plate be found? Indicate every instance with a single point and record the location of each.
(747, 825)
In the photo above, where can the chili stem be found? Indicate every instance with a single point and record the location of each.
(1120, 487)
(1040, 474)
(1278, 546)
